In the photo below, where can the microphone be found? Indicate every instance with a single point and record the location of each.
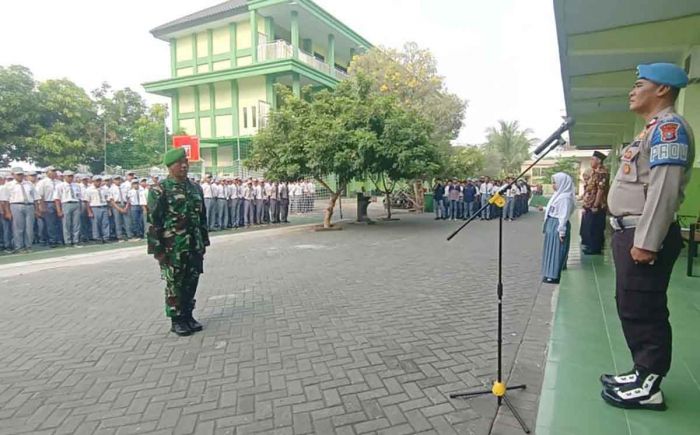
(568, 123)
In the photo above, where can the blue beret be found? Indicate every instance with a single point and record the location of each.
(663, 74)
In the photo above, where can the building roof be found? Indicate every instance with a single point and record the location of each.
(216, 12)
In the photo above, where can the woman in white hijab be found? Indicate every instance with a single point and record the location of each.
(557, 229)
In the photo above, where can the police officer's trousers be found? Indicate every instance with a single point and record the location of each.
(22, 225)
(71, 223)
(641, 300)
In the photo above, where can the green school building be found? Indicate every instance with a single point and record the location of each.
(226, 59)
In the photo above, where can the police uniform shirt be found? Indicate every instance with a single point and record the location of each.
(67, 192)
(653, 172)
(21, 193)
(95, 197)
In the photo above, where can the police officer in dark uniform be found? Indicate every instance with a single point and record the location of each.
(644, 197)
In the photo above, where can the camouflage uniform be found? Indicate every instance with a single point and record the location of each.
(178, 238)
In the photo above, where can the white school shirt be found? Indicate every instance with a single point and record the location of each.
(68, 192)
(207, 191)
(312, 188)
(248, 193)
(257, 191)
(134, 196)
(268, 190)
(95, 196)
(3, 193)
(221, 191)
(16, 195)
(144, 196)
(45, 188)
(116, 194)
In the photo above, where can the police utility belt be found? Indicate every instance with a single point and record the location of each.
(624, 222)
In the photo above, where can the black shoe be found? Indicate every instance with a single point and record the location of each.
(645, 393)
(550, 281)
(193, 324)
(180, 327)
(613, 381)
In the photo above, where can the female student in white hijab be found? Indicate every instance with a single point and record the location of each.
(557, 229)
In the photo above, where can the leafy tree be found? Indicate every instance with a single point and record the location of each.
(411, 76)
(465, 162)
(134, 132)
(316, 135)
(18, 111)
(511, 144)
(568, 165)
(66, 135)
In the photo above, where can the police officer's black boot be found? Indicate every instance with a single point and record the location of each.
(180, 327)
(644, 393)
(192, 324)
(612, 381)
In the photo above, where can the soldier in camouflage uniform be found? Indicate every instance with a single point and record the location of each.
(178, 238)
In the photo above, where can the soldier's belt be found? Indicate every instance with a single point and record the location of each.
(624, 222)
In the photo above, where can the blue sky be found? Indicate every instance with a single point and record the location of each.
(501, 55)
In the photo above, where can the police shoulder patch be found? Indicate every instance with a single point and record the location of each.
(669, 143)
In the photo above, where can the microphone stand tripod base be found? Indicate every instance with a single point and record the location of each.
(499, 390)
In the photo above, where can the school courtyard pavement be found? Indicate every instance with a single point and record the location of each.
(364, 330)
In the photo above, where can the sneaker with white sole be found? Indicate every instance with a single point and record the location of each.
(644, 393)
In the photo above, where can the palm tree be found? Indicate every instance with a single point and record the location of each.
(510, 143)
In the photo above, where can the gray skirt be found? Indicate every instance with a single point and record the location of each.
(555, 252)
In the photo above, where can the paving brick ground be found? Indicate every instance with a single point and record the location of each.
(365, 330)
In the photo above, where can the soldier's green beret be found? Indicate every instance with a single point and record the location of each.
(173, 156)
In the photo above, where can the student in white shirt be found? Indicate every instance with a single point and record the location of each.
(120, 209)
(135, 210)
(5, 215)
(24, 207)
(485, 191)
(97, 209)
(67, 197)
(48, 225)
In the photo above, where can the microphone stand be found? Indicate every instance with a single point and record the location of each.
(499, 387)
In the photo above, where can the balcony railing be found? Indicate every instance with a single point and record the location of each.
(280, 50)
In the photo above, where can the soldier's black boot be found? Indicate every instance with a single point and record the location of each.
(644, 393)
(192, 323)
(180, 327)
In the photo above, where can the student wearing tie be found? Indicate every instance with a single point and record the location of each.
(135, 210)
(24, 206)
(96, 203)
(120, 209)
(67, 199)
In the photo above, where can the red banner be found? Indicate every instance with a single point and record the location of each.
(190, 144)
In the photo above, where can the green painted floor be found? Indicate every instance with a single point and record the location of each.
(587, 340)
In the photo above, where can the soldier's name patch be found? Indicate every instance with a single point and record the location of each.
(669, 154)
(669, 131)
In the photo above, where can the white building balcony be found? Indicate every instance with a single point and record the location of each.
(280, 50)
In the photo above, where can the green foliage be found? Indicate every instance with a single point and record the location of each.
(568, 165)
(410, 75)
(57, 123)
(465, 162)
(510, 145)
(18, 111)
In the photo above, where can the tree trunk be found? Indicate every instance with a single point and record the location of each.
(418, 192)
(328, 212)
(388, 205)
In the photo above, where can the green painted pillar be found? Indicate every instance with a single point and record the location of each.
(176, 113)
(194, 53)
(234, 44)
(197, 127)
(234, 108)
(212, 107)
(270, 29)
(331, 53)
(295, 34)
(210, 49)
(270, 90)
(352, 54)
(173, 57)
(254, 35)
(296, 84)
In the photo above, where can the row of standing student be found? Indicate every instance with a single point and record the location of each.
(462, 199)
